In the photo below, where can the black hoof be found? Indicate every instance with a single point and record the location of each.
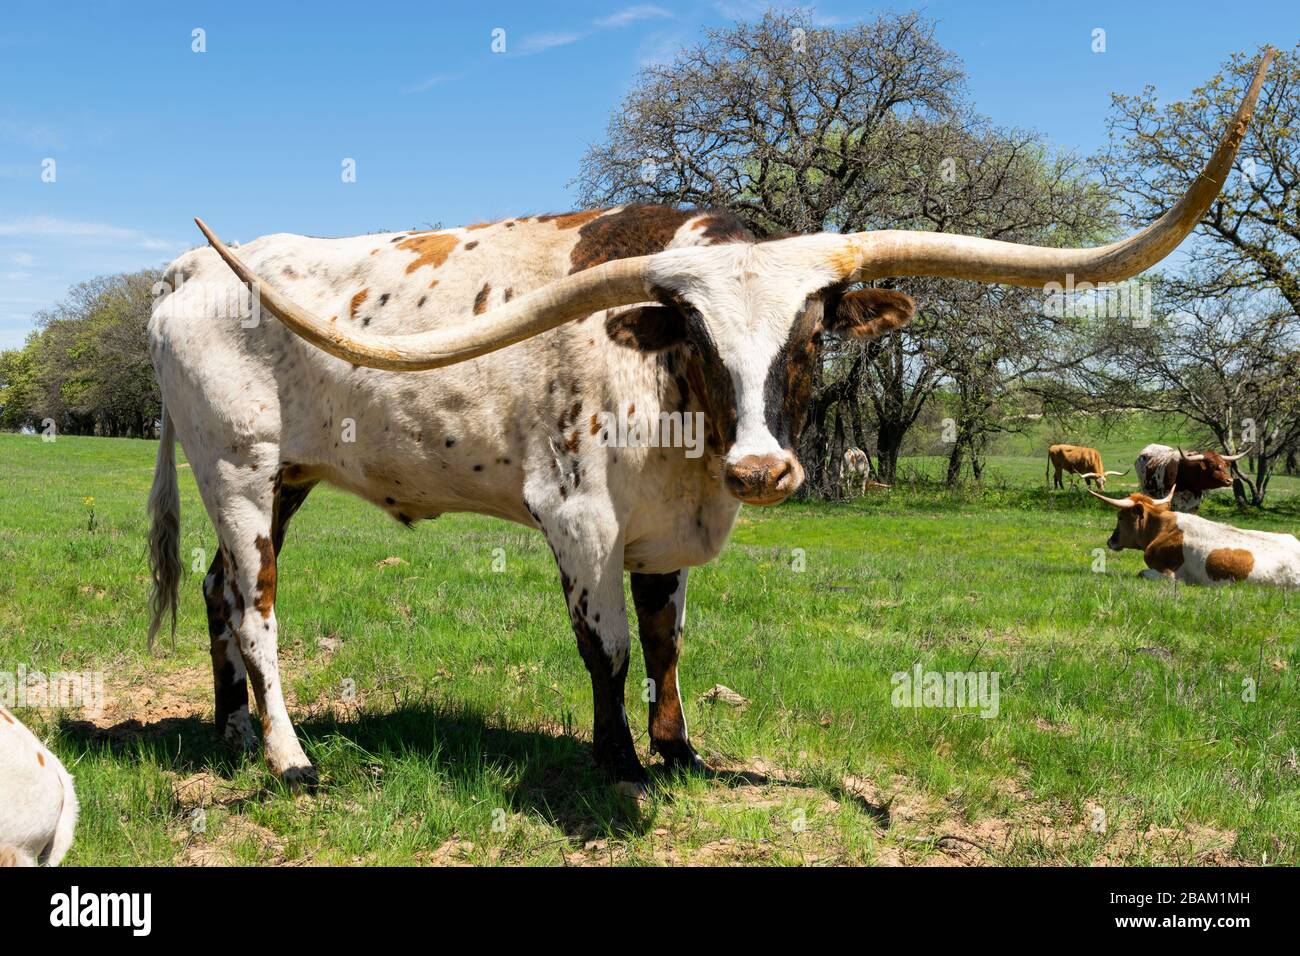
(680, 757)
(622, 767)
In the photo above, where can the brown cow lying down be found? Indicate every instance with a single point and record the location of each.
(38, 807)
(1194, 550)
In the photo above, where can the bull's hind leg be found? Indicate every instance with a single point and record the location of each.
(660, 601)
(228, 675)
(245, 509)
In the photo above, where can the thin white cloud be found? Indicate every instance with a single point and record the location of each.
(659, 48)
(22, 259)
(632, 14)
(436, 80)
(539, 42)
(49, 227)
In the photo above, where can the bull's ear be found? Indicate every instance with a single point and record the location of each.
(647, 328)
(870, 313)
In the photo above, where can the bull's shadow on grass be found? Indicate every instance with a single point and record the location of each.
(540, 772)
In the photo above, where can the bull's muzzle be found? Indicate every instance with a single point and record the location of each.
(764, 479)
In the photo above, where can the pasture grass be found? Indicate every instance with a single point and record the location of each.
(449, 713)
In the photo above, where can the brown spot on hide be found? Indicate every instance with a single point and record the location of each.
(1229, 564)
(356, 302)
(571, 220)
(431, 249)
(265, 601)
(632, 231)
(1165, 552)
(648, 328)
(722, 227)
(481, 300)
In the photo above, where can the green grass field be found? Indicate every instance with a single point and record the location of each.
(449, 712)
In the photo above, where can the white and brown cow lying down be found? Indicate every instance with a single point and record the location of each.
(540, 328)
(38, 806)
(1194, 550)
(1160, 469)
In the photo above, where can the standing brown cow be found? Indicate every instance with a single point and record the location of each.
(1078, 460)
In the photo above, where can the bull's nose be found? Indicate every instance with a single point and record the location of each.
(764, 479)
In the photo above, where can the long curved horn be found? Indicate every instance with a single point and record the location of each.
(877, 255)
(1167, 498)
(1237, 457)
(1091, 474)
(1117, 474)
(606, 286)
(1114, 502)
(1186, 457)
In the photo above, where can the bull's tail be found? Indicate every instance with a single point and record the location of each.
(164, 532)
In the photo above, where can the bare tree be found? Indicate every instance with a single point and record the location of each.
(780, 121)
(1251, 230)
(1231, 364)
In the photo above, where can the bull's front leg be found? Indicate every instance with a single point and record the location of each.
(660, 601)
(589, 553)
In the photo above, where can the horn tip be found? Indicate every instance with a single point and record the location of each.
(203, 228)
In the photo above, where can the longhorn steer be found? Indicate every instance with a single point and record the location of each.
(1195, 550)
(38, 805)
(1078, 460)
(1160, 469)
(633, 312)
(856, 467)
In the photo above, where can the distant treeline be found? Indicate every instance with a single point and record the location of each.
(86, 367)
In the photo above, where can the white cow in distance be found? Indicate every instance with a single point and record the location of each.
(855, 471)
(38, 805)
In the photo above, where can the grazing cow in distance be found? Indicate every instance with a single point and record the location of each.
(38, 805)
(542, 329)
(1194, 550)
(855, 471)
(1159, 469)
(1078, 460)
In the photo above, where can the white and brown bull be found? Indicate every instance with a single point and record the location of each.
(1194, 550)
(38, 805)
(855, 471)
(542, 328)
(1160, 469)
(1078, 460)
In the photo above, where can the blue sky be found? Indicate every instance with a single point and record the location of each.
(251, 134)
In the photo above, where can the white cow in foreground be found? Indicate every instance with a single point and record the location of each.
(1194, 550)
(38, 806)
